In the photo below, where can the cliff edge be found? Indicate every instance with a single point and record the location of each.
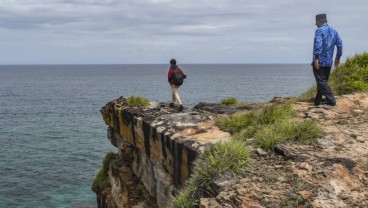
(157, 146)
(285, 153)
(333, 173)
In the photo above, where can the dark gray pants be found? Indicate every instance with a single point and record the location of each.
(321, 75)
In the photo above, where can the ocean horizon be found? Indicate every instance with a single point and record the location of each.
(53, 138)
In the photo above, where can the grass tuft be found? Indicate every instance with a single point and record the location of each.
(236, 122)
(274, 113)
(304, 132)
(184, 200)
(138, 102)
(224, 157)
(271, 114)
(308, 95)
(229, 101)
(269, 126)
(101, 180)
(233, 101)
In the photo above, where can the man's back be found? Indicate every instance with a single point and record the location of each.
(325, 40)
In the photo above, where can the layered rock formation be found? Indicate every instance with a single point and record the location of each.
(158, 144)
(156, 148)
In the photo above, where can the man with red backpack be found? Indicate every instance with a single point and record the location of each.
(176, 77)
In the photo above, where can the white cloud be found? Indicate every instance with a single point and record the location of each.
(114, 31)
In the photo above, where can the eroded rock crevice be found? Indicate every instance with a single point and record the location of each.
(156, 149)
(157, 146)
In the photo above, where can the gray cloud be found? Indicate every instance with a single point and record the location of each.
(216, 31)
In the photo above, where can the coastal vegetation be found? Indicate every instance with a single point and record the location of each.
(101, 180)
(265, 128)
(223, 158)
(352, 76)
(232, 101)
(138, 102)
(269, 126)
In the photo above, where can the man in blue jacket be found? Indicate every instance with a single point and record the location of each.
(325, 40)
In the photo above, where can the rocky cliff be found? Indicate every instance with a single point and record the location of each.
(333, 173)
(156, 148)
(157, 145)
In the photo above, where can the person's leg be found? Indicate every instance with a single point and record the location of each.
(318, 97)
(327, 73)
(330, 98)
(173, 98)
(175, 91)
(322, 87)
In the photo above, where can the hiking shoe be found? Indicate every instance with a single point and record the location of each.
(171, 105)
(181, 108)
(328, 103)
(318, 102)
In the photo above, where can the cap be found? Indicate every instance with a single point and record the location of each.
(321, 16)
(173, 62)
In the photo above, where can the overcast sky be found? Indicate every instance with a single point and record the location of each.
(153, 31)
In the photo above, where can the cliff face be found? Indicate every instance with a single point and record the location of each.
(156, 148)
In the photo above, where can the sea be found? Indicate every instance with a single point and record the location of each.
(53, 138)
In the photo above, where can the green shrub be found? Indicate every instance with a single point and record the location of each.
(101, 180)
(138, 102)
(235, 123)
(270, 114)
(229, 101)
(304, 132)
(226, 156)
(247, 132)
(274, 113)
(233, 101)
(184, 200)
(223, 157)
(360, 60)
(268, 136)
(352, 76)
(308, 95)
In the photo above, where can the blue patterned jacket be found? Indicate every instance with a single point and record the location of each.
(325, 39)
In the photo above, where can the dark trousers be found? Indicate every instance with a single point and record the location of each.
(321, 75)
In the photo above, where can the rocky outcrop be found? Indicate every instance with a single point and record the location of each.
(332, 174)
(157, 145)
(156, 148)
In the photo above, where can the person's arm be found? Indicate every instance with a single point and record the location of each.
(339, 50)
(317, 49)
(184, 75)
(169, 75)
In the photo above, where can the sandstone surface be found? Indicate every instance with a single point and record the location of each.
(157, 145)
(332, 174)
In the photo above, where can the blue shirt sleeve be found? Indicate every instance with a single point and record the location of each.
(339, 47)
(325, 40)
(317, 49)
